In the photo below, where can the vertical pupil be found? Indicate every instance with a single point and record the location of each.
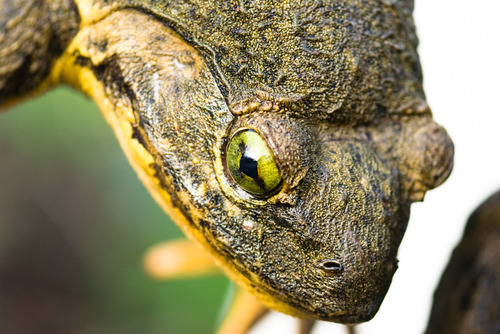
(248, 166)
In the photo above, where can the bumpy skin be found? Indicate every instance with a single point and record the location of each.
(333, 87)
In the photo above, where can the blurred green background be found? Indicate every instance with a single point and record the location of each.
(74, 224)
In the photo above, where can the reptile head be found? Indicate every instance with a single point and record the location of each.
(290, 143)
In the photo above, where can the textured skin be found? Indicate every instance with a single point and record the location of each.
(27, 54)
(270, 47)
(335, 90)
(319, 41)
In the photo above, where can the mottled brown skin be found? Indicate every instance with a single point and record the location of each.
(468, 295)
(334, 88)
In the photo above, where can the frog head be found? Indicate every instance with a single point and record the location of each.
(289, 143)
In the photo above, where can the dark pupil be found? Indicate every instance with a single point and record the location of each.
(248, 166)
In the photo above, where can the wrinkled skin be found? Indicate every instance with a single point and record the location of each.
(335, 90)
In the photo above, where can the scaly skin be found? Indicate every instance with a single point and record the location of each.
(334, 88)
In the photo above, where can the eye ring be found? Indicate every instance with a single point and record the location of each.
(250, 164)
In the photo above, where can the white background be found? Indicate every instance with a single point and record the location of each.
(459, 50)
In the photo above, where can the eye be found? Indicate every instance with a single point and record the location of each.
(251, 163)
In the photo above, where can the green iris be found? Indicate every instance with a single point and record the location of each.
(251, 163)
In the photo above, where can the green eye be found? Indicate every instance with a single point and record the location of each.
(251, 163)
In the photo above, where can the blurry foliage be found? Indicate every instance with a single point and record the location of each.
(74, 223)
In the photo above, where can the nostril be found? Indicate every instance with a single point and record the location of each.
(330, 266)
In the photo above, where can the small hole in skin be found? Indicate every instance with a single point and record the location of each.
(330, 266)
